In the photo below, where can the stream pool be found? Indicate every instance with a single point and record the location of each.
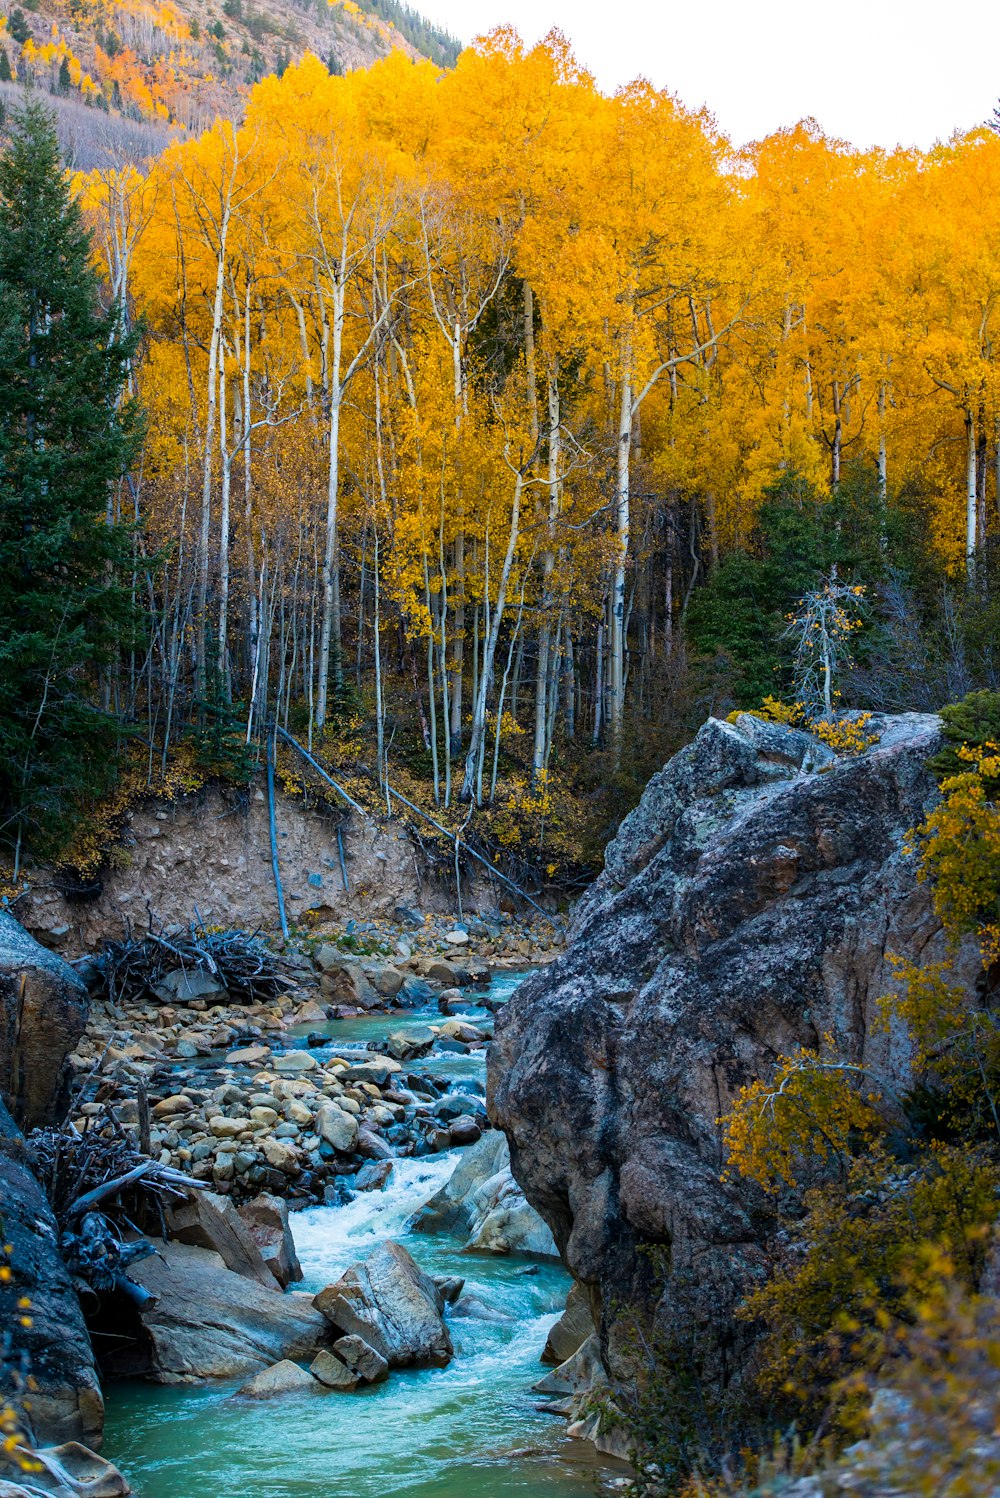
(470, 1430)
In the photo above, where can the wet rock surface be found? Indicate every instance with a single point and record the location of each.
(749, 905)
(43, 1013)
(388, 1302)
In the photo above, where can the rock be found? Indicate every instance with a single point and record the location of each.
(457, 938)
(459, 1029)
(182, 987)
(344, 981)
(386, 980)
(390, 1303)
(501, 1221)
(43, 1013)
(402, 1044)
(372, 1146)
(282, 1156)
(582, 1373)
(472, 1308)
(448, 1210)
(251, 1055)
(572, 1329)
(362, 1359)
(266, 1220)
(310, 1013)
(210, 1323)
(409, 917)
(748, 905)
(374, 1176)
(449, 1287)
(293, 1062)
(338, 1128)
(464, 1130)
(285, 1377)
(66, 1404)
(174, 1106)
(227, 1128)
(70, 1471)
(211, 1221)
(334, 1373)
(377, 1070)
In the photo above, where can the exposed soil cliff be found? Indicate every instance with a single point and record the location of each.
(749, 905)
(211, 853)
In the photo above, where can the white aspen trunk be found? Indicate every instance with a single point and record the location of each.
(539, 756)
(971, 498)
(329, 627)
(616, 694)
(489, 652)
(205, 526)
(226, 463)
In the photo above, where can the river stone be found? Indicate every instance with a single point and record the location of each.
(393, 1305)
(70, 1471)
(582, 1373)
(43, 1012)
(250, 1055)
(170, 1107)
(377, 1070)
(293, 1062)
(338, 1128)
(457, 938)
(572, 1329)
(183, 987)
(281, 1156)
(386, 980)
(374, 1176)
(362, 1359)
(210, 1323)
(285, 1377)
(333, 1373)
(464, 1130)
(448, 1209)
(502, 1222)
(372, 1146)
(212, 1221)
(749, 904)
(266, 1219)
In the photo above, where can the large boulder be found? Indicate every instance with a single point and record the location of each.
(65, 1403)
(483, 1203)
(208, 1322)
(392, 1305)
(43, 1013)
(266, 1218)
(749, 905)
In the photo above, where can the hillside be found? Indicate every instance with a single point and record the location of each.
(127, 74)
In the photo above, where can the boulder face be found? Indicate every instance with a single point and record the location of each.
(748, 906)
(43, 1012)
(393, 1306)
(66, 1403)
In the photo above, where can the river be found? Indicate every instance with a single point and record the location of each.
(471, 1430)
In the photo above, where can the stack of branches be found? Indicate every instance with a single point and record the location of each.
(242, 961)
(100, 1185)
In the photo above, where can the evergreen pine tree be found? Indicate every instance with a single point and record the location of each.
(65, 439)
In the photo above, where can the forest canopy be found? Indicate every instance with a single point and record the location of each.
(492, 423)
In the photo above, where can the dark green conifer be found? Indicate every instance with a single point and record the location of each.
(66, 439)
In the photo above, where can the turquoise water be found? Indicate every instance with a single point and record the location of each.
(470, 1430)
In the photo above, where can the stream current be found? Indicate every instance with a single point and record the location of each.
(470, 1430)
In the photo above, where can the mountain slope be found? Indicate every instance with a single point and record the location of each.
(153, 67)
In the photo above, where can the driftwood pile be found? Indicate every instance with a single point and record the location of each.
(100, 1187)
(145, 970)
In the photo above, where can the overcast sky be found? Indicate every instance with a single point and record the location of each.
(875, 72)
